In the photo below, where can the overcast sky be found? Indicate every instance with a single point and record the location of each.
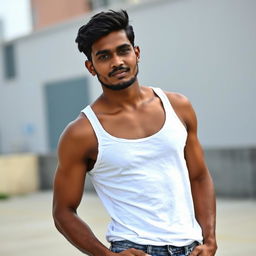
(15, 17)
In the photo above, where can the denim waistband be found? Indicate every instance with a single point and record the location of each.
(170, 250)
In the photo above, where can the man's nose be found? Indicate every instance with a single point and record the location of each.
(117, 61)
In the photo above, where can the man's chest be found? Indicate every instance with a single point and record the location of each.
(134, 123)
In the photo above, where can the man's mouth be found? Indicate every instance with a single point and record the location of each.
(118, 72)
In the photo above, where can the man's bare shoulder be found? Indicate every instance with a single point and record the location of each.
(79, 128)
(78, 135)
(178, 100)
(183, 108)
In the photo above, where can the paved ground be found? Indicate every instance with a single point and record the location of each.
(26, 227)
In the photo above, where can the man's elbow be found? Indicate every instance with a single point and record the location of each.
(57, 218)
(62, 216)
(203, 176)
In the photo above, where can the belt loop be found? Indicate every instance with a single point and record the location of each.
(187, 250)
(190, 248)
(149, 249)
(169, 248)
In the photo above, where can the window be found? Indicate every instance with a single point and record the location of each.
(9, 61)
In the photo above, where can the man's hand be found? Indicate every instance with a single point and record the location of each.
(204, 250)
(131, 252)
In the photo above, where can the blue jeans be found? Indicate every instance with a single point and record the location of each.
(167, 250)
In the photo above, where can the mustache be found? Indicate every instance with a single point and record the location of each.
(120, 68)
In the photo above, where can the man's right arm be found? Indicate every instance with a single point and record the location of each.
(75, 148)
(73, 151)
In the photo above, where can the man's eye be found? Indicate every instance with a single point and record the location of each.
(124, 51)
(103, 57)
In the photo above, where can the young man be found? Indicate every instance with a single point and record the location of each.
(140, 147)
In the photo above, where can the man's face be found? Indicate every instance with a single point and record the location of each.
(114, 61)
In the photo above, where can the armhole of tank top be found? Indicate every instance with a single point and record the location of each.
(88, 112)
(93, 121)
(168, 106)
(159, 92)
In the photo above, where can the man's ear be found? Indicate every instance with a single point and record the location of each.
(90, 67)
(137, 52)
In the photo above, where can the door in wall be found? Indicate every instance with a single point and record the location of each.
(64, 100)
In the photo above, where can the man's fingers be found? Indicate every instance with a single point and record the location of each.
(196, 251)
(139, 252)
(136, 252)
(203, 250)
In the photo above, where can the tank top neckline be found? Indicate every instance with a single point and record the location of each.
(99, 125)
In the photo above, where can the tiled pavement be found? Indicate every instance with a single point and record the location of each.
(27, 229)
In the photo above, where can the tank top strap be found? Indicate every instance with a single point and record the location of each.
(166, 102)
(94, 122)
(171, 115)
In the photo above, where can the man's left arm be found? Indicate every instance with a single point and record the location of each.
(201, 182)
(202, 188)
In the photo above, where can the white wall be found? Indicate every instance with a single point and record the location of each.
(42, 57)
(204, 49)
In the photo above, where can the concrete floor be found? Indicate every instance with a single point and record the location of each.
(26, 226)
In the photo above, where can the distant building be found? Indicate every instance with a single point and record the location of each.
(205, 50)
(47, 12)
(1, 30)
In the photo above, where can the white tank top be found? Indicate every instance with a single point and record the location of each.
(144, 184)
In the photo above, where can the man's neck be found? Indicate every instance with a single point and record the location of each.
(129, 97)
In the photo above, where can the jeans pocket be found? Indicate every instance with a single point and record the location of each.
(191, 248)
(117, 249)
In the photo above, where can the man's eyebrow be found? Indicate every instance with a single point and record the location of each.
(102, 52)
(117, 48)
(123, 46)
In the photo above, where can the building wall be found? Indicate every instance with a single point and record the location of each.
(233, 172)
(48, 12)
(207, 51)
(201, 48)
(41, 58)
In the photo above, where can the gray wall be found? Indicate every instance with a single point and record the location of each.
(204, 49)
(201, 48)
(46, 165)
(42, 58)
(233, 171)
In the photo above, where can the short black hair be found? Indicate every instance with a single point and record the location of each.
(101, 25)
